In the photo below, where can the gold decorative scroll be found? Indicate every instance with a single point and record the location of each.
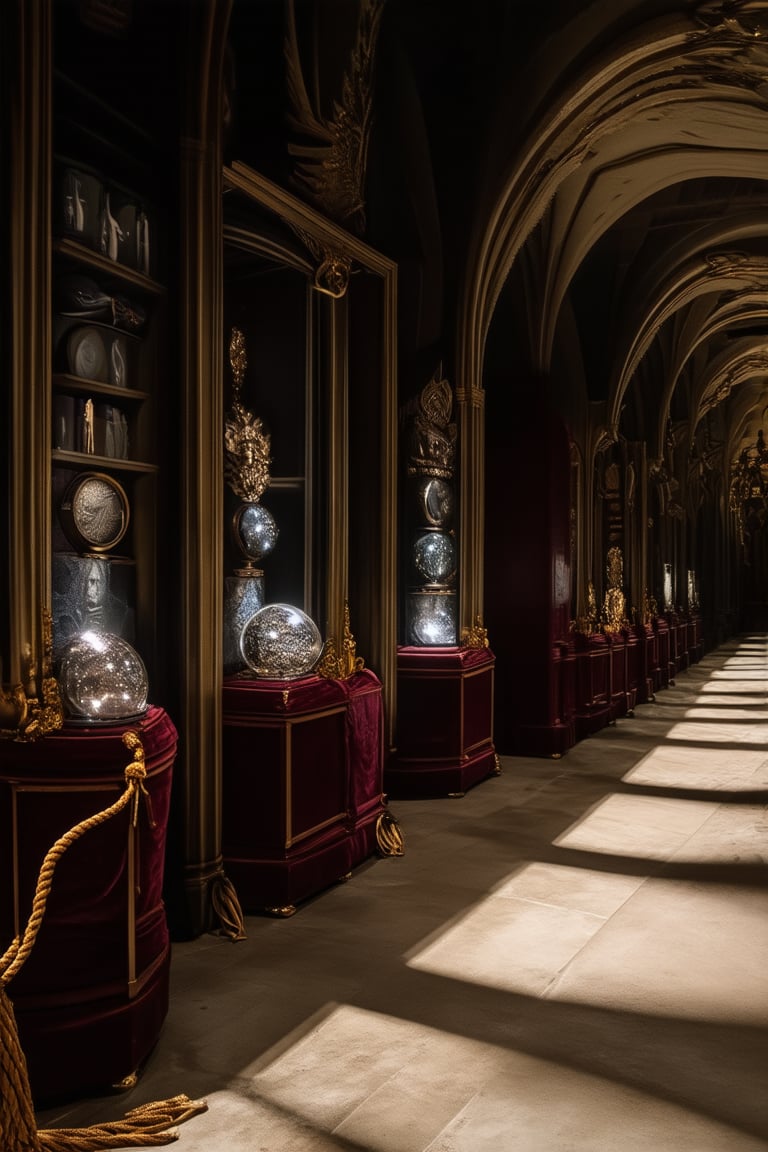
(246, 444)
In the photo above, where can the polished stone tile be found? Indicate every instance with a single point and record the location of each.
(669, 951)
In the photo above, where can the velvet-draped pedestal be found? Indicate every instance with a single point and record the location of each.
(92, 996)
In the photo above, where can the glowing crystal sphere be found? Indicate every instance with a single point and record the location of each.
(434, 555)
(280, 642)
(102, 678)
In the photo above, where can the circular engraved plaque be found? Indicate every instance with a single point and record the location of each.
(95, 512)
(280, 642)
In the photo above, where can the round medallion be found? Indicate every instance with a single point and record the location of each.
(281, 642)
(87, 354)
(95, 512)
(435, 501)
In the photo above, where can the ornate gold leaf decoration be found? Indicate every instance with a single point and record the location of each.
(336, 665)
(475, 637)
(331, 152)
(246, 444)
(25, 715)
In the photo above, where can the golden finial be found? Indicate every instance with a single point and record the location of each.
(340, 666)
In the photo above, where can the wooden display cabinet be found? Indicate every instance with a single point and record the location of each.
(445, 700)
(302, 785)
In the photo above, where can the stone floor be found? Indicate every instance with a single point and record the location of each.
(570, 958)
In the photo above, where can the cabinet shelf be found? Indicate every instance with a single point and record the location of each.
(65, 382)
(112, 463)
(119, 273)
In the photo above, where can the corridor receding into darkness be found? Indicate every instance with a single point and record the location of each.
(570, 957)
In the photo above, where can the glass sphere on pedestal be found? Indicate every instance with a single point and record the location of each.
(102, 679)
(281, 642)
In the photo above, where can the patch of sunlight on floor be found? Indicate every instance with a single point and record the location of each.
(388, 1084)
(710, 768)
(628, 943)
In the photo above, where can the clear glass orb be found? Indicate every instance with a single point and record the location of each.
(434, 555)
(281, 642)
(102, 679)
(255, 531)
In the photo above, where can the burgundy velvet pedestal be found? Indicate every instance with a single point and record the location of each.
(92, 996)
(444, 722)
(302, 785)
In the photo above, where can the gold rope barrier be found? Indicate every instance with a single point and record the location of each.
(143, 1127)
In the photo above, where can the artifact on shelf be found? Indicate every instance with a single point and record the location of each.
(431, 598)
(614, 601)
(246, 470)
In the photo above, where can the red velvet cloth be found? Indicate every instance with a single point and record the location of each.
(99, 964)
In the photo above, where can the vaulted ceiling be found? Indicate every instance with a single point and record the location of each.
(619, 151)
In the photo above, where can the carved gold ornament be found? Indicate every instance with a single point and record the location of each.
(475, 637)
(336, 665)
(432, 435)
(246, 444)
(614, 603)
(389, 837)
(27, 713)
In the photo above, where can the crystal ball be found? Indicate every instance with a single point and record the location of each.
(434, 555)
(102, 678)
(281, 642)
(255, 531)
(432, 619)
